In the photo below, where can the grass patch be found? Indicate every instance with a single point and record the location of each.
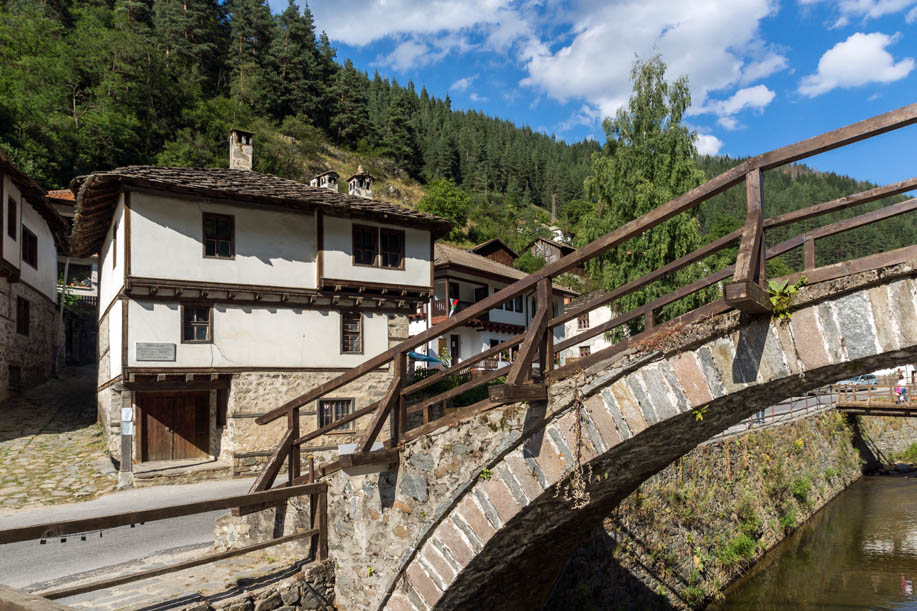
(801, 488)
(909, 455)
(737, 550)
(788, 520)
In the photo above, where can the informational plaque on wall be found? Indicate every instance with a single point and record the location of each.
(149, 351)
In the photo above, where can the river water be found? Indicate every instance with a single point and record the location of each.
(858, 552)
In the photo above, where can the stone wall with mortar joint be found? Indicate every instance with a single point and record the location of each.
(503, 539)
(312, 589)
(885, 437)
(231, 532)
(34, 353)
(6, 327)
(698, 524)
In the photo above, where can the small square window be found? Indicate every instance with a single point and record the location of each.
(11, 223)
(29, 247)
(331, 410)
(196, 324)
(582, 321)
(365, 245)
(392, 248)
(584, 351)
(351, 332)
(218, 236)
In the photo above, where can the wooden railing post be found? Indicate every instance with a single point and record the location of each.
(322, 552)
(544, 293)
(294, 466)
(398, 422)
(808, 249)
(521, 369)
(745, 292)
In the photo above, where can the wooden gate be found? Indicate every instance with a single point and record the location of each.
(173, 425)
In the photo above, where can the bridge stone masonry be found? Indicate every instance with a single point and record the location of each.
(475, 515)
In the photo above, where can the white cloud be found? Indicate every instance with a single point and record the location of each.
(462, 84)
(864, 9)
(730, 123)
(911, 16)
(859, 60)
(586, 115)
(407, 55)
(716, 43)
(477, 98)
(756, 98)
(708, 144)
(360, 22)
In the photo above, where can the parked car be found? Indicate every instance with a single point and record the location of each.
(866, 379)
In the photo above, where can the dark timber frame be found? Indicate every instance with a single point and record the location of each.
(747, 292)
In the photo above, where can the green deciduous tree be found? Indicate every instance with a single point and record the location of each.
(447, 200)
(647, 160)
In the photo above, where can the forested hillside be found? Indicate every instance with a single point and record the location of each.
(94, 84)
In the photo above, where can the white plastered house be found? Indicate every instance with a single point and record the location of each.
(225, 293)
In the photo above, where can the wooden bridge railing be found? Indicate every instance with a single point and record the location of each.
(246, 503)
(747, 291)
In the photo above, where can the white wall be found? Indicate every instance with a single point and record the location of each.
(596, 317)
(338, 259)
(11, 247)
(111, 272)
(44, 278)
(254, 337)
(272, 248)
(114, 339)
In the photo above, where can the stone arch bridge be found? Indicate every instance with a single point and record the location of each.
(482, 508)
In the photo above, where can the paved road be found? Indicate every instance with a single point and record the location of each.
(30, 563)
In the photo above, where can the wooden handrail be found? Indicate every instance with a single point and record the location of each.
(69, 527)
(746, 292)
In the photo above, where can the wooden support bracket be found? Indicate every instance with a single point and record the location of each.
(748, 297)
(518, 392)
(379, 457)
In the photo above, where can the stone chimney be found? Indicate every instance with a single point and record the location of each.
(240, 150)
(326, 180)
(360, 184)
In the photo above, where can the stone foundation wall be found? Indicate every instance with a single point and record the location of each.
(691, 529)
(33, 354)
(885, 437)
(312, 589)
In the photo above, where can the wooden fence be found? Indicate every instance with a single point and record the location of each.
(744, 287)
(246, 503)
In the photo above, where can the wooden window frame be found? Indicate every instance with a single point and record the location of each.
(344, 429)
(579, 322)
(585, 351)
(360, 334)
(23, 316)
(114, 246)
(376, 255)
(379, 242)
(29, 247)
(232, 236)
(197, 306)
(518, 304)
(11, 217)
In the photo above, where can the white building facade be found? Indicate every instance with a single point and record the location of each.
(461, 279)
(225, 293)
(31, 233)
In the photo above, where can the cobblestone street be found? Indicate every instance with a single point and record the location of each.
(51, 449)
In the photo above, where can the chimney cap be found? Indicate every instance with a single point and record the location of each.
(241, 132)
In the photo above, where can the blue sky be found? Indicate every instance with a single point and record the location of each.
(762, 73)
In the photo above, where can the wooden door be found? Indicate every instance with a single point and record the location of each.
(174, 426)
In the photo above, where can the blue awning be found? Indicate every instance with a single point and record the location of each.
(423, 357)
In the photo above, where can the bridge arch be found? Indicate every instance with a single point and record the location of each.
(500, 542)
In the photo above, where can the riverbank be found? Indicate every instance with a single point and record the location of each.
(681, 538)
